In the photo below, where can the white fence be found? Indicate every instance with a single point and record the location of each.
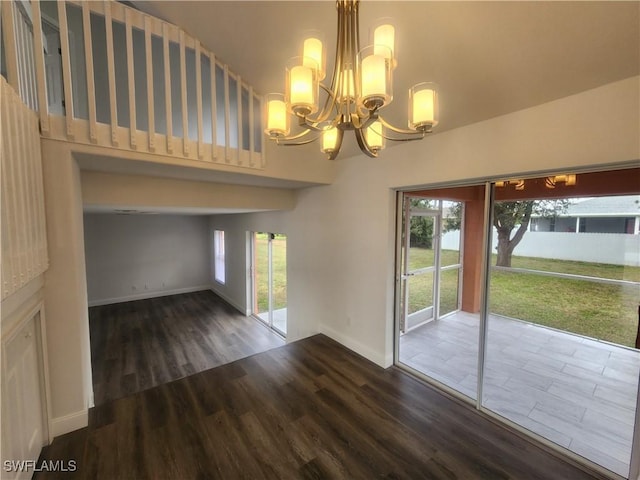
(611, 248)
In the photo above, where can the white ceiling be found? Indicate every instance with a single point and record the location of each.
(489, 58)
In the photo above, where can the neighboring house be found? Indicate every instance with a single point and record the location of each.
(619, 214)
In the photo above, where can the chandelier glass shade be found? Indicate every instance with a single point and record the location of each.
(361, 85)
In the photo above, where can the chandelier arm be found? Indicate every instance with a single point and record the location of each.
(362, 143)
(311, 124)
(418, 136)
(366, 119)
(403, 131)
(362, 111)
(280, 138)
(325, 113)
(281, 142)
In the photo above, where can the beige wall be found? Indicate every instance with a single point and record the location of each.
(130, 257)
(121, 191)
(66, 292)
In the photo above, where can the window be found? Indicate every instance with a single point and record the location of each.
(218, 256)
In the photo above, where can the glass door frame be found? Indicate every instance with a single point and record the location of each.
(436, 215)
(254, 287)
(437, 269)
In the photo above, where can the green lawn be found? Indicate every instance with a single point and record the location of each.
(421, 286)
(606, 312)
(279, 252)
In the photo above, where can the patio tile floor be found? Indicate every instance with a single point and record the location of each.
(574, 391)
(279, 319)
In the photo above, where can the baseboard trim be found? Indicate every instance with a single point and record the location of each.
(388, 360)
(69, 423)
(145, 295)
(240, 309)
(367, 352)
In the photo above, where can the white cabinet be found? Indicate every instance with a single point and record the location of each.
(23, 430)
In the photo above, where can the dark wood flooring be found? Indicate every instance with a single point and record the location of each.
(311, 409)
(141, 344)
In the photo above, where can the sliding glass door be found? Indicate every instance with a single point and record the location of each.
(541, 330)
(269, 279)
(562, 319)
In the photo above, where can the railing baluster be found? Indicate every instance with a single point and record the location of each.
(252, 142)
(263, 150)
(42, 225)
(167, 86)
(131, 77)
(199, 97)
(35, 187)
(111, 70)
(8, 245)
(9, 40)
(88, 60)
(9, 176)
(66, 67)
(214, 113)
(31, 66)
(227, 115)
(150, 101)
(23, 57)
(38, 47)
(28, 142)
(13, 178)
(239, 105)
(20, 51)
(20, 189)
(183, 84)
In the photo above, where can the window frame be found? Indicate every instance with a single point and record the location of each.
(219, 257)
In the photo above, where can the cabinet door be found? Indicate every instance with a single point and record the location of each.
(22, 398)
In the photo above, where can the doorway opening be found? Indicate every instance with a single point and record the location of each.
(269, 280)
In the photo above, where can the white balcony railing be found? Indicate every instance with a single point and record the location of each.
(109, 75)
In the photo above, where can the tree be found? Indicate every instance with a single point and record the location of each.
(421, 232)
(453, 219)
(506, 215)
(421, 228)
(509, 215)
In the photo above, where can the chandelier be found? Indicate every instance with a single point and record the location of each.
(360, 87)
